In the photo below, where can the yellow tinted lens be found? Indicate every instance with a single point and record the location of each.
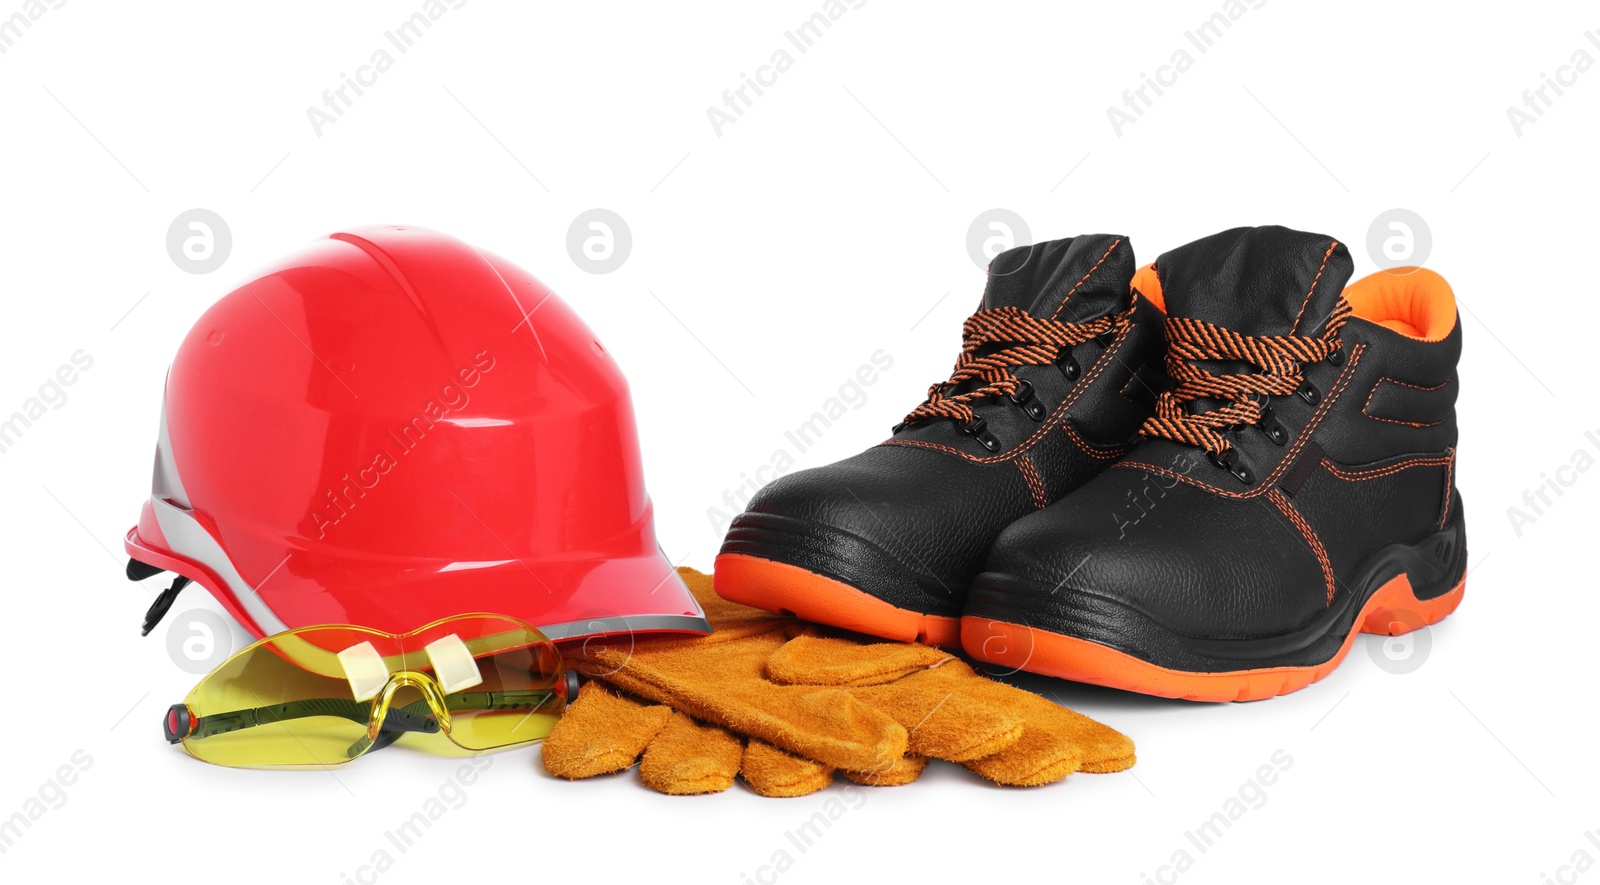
(306, 697)
(510, 693)
(265, 708)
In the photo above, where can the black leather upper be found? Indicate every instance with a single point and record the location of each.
(1188, 548)
(1256, 280)
(911, 520)
(1040, 278)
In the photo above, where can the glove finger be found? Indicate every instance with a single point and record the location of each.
(687, 758)
(1056, 741)
(600, 733)
(817, 660)
(773, 772)
(721, 679)
(1101, 748)
(909, 682)
(724, 683)
(1035, 760)
(941, 720)
(898, 773)
(1110, 764)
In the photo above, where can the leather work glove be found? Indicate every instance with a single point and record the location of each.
(831, 701)
(603, 732)
(936, 695)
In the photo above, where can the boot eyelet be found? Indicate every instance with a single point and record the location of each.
(978, 429)
(1069, 367)
(1273, 428)
(1308, 392)
(1029, 402)
(1226, 462)
(1337, 357)
(899, 427)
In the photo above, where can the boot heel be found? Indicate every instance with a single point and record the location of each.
(1394, 610)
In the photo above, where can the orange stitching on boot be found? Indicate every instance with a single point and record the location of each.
(1449, 487)
(1366, 407)
(1030, 475)
(1313, 290)
(1049, 424)
(1289, 456)
(1104, 454)
(1281, 501)
(1114, 244)
(1386, 470)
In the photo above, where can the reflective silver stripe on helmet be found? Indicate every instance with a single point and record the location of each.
(625, 625)
(187, 538)
(167, 486)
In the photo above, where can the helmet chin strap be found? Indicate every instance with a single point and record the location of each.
(163, 602)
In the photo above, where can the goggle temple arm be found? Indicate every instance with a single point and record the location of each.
(181, 723)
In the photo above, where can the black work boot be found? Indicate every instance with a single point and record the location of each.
(1058, 369)
(1296, 487)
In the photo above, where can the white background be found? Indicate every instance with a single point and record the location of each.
(768, 263)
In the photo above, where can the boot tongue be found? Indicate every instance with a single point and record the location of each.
(1074, 280)
(1256, 280)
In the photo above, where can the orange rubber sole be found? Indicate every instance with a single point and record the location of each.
(780, 587)
(1393, 610)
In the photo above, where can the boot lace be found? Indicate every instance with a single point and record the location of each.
(1274, 368)
(996, 341)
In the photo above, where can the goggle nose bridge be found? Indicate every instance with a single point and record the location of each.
(426, 685)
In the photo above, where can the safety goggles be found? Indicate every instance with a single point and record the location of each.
(324, 695)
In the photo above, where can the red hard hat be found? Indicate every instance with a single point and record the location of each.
(391, 427)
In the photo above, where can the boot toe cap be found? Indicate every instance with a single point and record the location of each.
(1189, 563)
(869, 523)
